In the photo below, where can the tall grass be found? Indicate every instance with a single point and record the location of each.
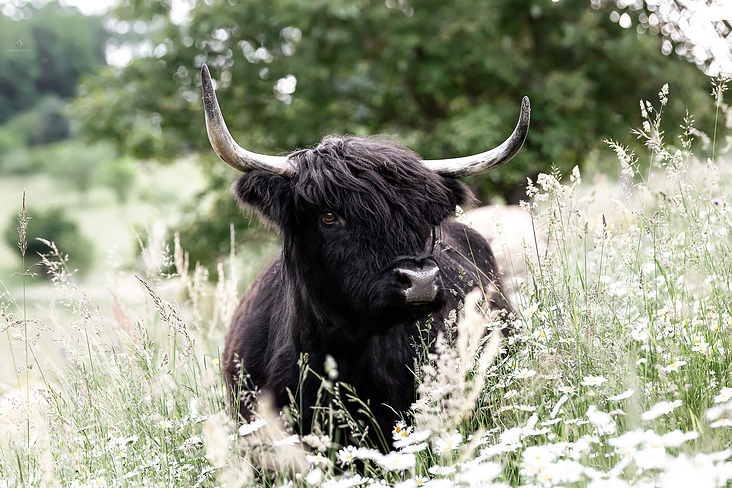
(619, 371)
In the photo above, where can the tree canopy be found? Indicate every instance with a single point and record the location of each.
(444, 78)
(43, 54)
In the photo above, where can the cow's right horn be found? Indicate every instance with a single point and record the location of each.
(488, 160)
(224, 145)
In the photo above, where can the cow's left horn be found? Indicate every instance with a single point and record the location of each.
(228, 150)
(486, 161)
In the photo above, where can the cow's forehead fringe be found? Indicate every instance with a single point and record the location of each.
(362, 175)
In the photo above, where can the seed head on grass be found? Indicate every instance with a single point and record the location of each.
(23, 220)
(719, 86)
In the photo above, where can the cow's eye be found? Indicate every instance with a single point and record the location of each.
(329, 218)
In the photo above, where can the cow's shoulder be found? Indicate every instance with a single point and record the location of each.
(462, 246)
(467, 262)
(256, 334)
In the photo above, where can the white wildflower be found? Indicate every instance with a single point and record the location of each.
(442, 470)
(721, 423)
(397, 461)
(511, 446)
(461, 217)
(575, 177)
(439, 483)
(539, 456)
(640, 335)
(663, 94)
(674, 366)
(511, 436)
(532, 310)
(510, 394)
(551, 422)
(314, 477)
(628, 439)
(652, 440)
(675, 438)
(287, 441)
(725, 394)
(414, 448)
(524, 373)
(421, 403)
(716, 412)
(491, 451)
(365, 453)
(565, 471)
(317, 460)
(401, 430)
(480, 474)
(413, 438)
(410, 483)
(576, 450)
(252, 426)
(684, 472)
(622, 396)
(660, 408)
(541, 334)
(346, 455)
(653, 458)
(625, 452)
(443, 446)
(593, 380)
(421, 480)
(602, 421)
(644, 113)
(608, 483)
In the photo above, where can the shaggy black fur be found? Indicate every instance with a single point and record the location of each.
(357, 208)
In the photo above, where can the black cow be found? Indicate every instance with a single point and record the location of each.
(369, 260)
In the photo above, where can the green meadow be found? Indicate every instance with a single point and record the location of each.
(617, 373)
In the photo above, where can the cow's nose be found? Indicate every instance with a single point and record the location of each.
(419, 284)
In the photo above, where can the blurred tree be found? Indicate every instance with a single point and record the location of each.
(205, 232)
(73, 162)
(444, 78)
(12, 140)
(119, 175)
(43, 124)
(44, 50)
(52, 225)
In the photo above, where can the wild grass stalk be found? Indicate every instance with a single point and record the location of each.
(23, 221)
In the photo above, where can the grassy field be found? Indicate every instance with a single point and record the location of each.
(619, 374)
(155, 202)
(159, 192)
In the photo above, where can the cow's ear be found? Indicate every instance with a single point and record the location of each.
(269, 194)
(459, 193)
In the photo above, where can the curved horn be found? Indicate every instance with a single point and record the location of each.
(228, 150)
(489, 160)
